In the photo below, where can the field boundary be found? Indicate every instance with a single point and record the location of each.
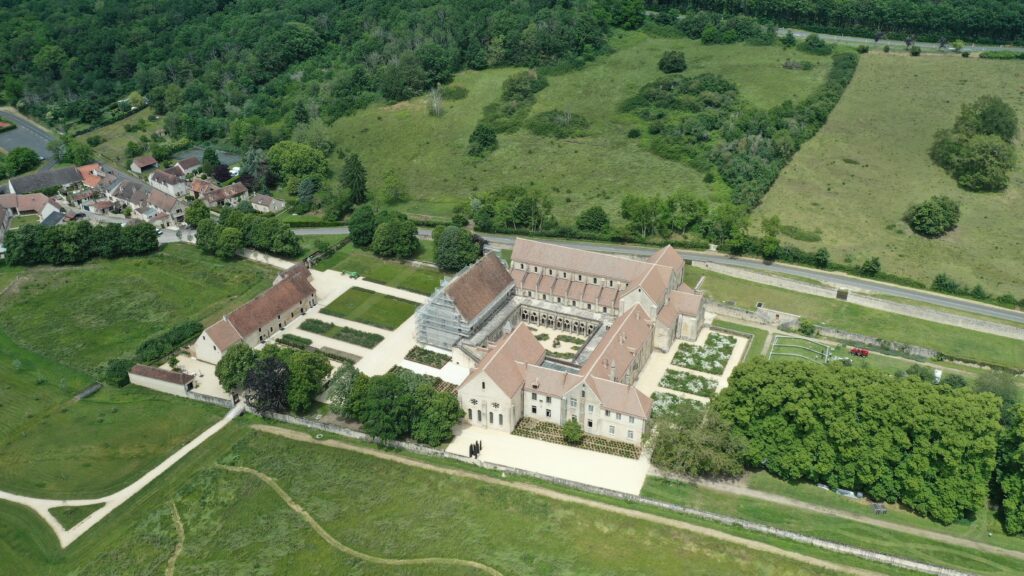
(709, 516)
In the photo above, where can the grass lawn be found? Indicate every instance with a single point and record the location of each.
(19, 221)
(83, 316)
(429, 153)
(419, 279)
(834, 529)
(798, 347)
(373, 308)
(52, 446)
(234, 523)
(309, 243)
(115, 137)
(756, 345)
(953, 341)
(68, 516)
(869, 163)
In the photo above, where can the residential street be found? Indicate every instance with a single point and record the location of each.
(27, 135)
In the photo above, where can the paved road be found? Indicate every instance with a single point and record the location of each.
(831, 278)
(871, 41)
(26, 135)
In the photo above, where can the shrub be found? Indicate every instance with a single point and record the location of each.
(572, 432)
(885, 48)
(915, 50)
(115, 373)
(295, 341)
(593, 219)
(523, 85)
(813, 44)
(482, 140)
(557, 124)
(807, 328)
(870, 267)
(862, 49)
(933, 217)
(163, 344)
(672, 62)
(987, 115)
(633, 133)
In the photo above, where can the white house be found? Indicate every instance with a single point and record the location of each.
(170, 181)
(266, 204)
(166, 381)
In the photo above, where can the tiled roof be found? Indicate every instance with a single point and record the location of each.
(168, 376)
(189, 163)
(88, 177)
(143, 161)
(223, 335)
(549, 381)
(630, 332)
(474, 289)
(162, 200)
(265, 200)
(667, 256)
(265, 308)
(618, 397)
(164, 177)
(585, 262)
(507, 361)
(24, 202)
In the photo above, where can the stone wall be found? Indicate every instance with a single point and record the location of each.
(718, 518)
(223, 402)
(900, 347)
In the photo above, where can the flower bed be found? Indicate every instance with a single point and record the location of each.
(567, 338)
(343, 333)
(690, 383)
(427, 357)
(710, 358)
(663, 402)
(548, 432)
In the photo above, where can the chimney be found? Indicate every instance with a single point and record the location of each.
(613, 371)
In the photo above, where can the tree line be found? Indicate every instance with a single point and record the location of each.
(932, 446)
(77, 242)
(989, 21)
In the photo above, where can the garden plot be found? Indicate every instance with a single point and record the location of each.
(689, 383)
(802, 348)
(548, 432)
(710, 358)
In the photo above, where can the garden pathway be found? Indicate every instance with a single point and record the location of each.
(564, 497)
(42, 506)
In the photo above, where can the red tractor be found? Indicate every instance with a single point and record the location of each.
(859, 352)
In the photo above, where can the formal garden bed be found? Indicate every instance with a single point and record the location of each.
(295, 341)
(427, 357)
(664, 401)
(369, 307)
(439, 384)
(548, 432)
(343, 333)
(710, 358)
(689, 383)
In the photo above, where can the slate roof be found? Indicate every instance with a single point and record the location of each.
(28, 183)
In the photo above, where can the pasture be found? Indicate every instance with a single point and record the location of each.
(855, 179)
(115, 136)
(428, 153)
(83, 316)
(234, 522)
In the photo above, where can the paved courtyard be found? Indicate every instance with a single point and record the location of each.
(575, 464)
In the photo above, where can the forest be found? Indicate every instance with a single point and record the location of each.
(985, 21)
(219, 66)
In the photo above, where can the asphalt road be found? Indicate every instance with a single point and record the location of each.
(832, 278)
(25, 135)
(837, 39)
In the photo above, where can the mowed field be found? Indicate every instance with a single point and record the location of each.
(234, 523)
(83, 316)
(856, 178)
(57, 324)
(115, 137)
(429, 153)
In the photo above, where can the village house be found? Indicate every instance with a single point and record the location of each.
(131, 194)
(188, 165)
(291, 296)
(172, 205)
(170, 180)
(142, 163)
(620, 308)
(22, 204)
(266, 204)
(60, 179)
(229, 195)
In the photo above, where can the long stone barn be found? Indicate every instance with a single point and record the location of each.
(620, 307)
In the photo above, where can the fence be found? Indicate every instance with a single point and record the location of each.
(223, 402)
(709, 516)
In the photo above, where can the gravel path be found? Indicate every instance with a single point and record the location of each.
(555, 495)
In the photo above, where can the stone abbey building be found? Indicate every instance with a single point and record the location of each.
(622, 309)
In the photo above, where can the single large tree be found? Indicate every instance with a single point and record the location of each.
(383, 404)
(308, 370)
(454, 248)
(234, 365)
(593, 219)
(266, 385)
(210, 160)
(229, 242)
(196, 212)
(361, 225)
(353, 177)
(435, 414)
(395, 238)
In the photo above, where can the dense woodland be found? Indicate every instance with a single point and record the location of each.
(216, 67)
(971, 20)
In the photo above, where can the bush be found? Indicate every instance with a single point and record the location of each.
(885, 48)
(672, 62)
(933, 217)
(572, 432)
(915, 50)
(862, 49)
(482, 140)
(633, 133)
(813, 44)
(557, 124)
(295, 341)
(165, 343)
(807, 328)
(115, 373)
(978, 151)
